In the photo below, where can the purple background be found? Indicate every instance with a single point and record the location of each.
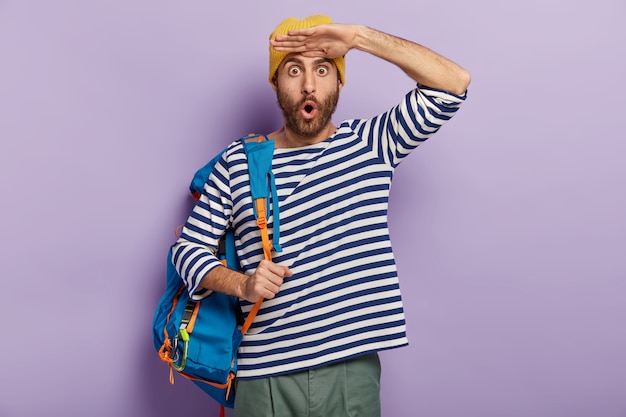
(508, 226)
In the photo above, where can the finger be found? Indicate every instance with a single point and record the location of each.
(268, 295)
(273, 268)
(303, 31)
(296, 46)
(260, 287)
(290, 38)
(267, 286)
(272, 281)
(268, 289)
(282, 272)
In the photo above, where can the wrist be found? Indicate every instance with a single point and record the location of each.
(241, 285)
(359, 40)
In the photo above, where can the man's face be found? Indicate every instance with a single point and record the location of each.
(307, 90)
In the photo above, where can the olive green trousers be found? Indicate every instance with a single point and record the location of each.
(349, 388)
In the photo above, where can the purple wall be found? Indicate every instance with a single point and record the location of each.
(508, 226)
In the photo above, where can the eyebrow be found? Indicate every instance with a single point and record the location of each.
(299, 61)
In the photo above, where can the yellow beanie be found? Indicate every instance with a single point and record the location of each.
(276, 57)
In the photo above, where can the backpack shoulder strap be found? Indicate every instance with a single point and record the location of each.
(260, 151)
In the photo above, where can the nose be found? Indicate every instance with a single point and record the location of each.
(308, 83)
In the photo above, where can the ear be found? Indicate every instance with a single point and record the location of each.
(274, 83)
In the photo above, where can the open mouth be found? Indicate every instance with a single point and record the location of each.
(308, 109)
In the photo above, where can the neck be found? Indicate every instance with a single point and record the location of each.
(287, 138)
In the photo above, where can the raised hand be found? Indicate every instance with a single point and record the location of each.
(327, 40)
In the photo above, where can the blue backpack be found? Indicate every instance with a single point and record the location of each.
(199, 339)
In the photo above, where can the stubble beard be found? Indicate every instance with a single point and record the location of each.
(307, 128)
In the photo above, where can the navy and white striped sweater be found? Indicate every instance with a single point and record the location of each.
(343, 299)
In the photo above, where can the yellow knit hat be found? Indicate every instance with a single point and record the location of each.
(276, 57)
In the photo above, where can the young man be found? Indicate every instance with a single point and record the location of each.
(331, 293)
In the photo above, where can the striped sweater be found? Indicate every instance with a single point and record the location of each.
(343, 298)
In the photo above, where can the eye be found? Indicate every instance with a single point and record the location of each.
(293, 71)
(322, 71)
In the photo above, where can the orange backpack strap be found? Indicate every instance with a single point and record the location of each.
(260, 208)
(267, 251)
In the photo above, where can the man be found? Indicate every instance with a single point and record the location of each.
(331, 293)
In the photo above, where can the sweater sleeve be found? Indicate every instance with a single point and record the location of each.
(193, 254)
(419, 116)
